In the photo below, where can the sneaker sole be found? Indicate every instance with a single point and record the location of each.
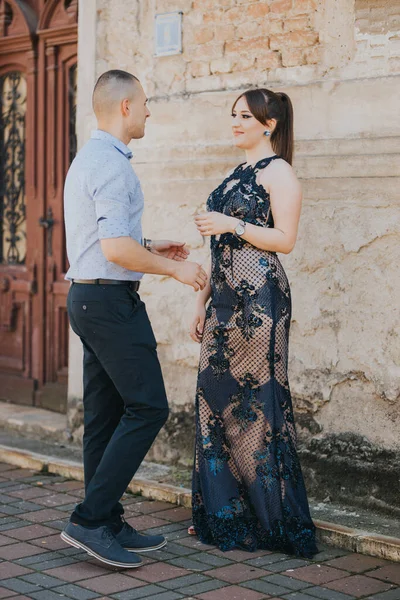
(69, 540)
(140, 550)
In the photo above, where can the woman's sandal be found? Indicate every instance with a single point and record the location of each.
(191, 530)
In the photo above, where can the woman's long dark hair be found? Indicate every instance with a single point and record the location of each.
(265, 105)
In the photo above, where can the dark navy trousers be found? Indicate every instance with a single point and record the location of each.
(124, 399)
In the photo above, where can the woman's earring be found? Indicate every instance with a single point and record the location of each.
(267, 133)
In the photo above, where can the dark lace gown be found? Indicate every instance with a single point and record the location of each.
(248, 489)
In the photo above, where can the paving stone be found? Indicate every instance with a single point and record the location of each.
(298, 596)
(358, 563)
(5, 593)
(148, 591)
(264, 587)
(287, 582)
(150, 506)
(168, 596)
(389, 595)
(237, 573)
(77, 571)
(111, 584)
(56, 500)
(232, 592)
(5, 540)
(358, 585)
(211, 559)
(201, 588)
(37, 558)
(164, 529)
(8, 569)
(51, 564)
(13, 524)
(28, 493)
(19, 550)
(390, 573)
(18, 585)
(157, 572)
(186, 580)
(329, 552)
(76, 592)
(318, 574)
(47, 595)
(45, 514)
(51, 542)
(161, 555)
(26, 506)
(59, 524)
(326, 594)
(178, 549)
(240, 555)
(5, 498)
(189, 564)
(42, 580)
(175, 514)
(31, 532)
(268, 559)
(8, 509)
(283, 565)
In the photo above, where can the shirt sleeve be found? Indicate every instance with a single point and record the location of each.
(112, 201)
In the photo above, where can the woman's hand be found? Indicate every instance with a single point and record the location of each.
(215, 223)
(197, 324)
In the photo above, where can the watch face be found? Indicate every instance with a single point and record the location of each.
(240, 229)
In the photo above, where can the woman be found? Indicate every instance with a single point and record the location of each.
(248, 489)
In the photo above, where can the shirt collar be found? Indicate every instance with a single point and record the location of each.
(99, 134)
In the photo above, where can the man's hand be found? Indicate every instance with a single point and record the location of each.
(192, 274)
(172, 250)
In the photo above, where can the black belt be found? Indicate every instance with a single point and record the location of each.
(133, 285)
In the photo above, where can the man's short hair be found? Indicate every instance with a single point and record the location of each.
(111, 88)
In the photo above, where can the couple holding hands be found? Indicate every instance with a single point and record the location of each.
(248, 488)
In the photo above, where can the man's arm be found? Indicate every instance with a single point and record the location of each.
(127, 253)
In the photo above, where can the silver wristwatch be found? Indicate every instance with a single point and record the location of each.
(240, 228)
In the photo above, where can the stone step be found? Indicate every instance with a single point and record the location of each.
(358, 530)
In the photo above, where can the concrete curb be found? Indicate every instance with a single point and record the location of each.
(332, 534)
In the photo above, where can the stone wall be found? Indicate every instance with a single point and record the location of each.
(339, 62)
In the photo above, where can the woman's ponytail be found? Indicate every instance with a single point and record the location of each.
(282, 138)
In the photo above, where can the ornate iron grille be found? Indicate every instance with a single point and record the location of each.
(73, 72)
(12, 168)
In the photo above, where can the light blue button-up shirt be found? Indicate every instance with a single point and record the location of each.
(102, 199)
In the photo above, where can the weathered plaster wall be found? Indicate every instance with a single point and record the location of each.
(339, 61)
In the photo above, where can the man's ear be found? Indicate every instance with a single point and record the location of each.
(125, 107)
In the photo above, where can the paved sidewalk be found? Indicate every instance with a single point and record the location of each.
(35, 563)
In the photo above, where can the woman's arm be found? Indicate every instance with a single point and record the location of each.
(197, 323)
(281, 183)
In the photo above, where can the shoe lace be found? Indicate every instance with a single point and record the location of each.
(107, 534)
(127, 526)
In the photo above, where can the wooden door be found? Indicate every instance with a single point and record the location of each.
(38, 53)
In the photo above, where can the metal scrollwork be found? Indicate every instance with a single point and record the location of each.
(12, 168)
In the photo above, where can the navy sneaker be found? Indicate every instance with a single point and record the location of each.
(101, 544)
(133, 541)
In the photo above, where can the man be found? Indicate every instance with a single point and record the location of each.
(124, 400)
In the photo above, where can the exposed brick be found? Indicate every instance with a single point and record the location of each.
(295, 39)
(248, 30)
(224, 33)
(293, 57)
(203, 35)
(210, 50)
(304, 6)
(313, 55)
(269, 60)
(240, 46)
(257, 10)
(281, 6)
(221, 65)
(296, 23)
(243, 63)
(199, 69)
